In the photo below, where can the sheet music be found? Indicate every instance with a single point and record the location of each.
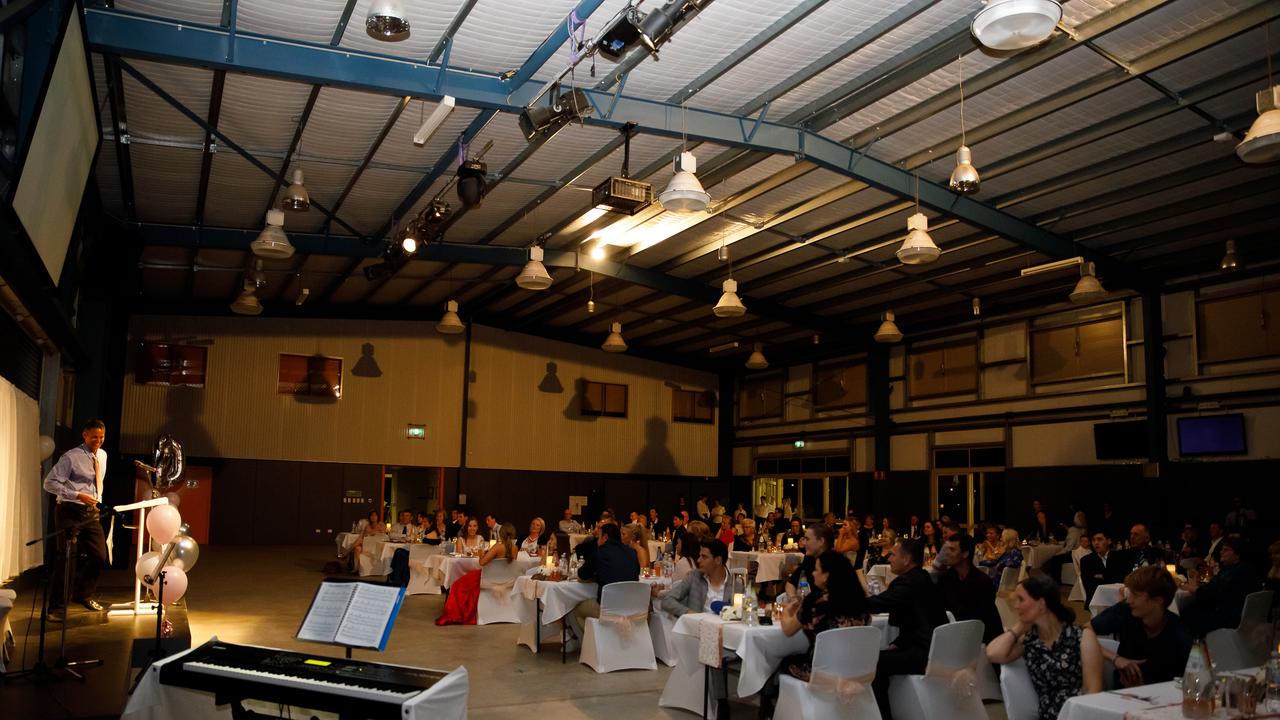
(327, 610)
(369, 616)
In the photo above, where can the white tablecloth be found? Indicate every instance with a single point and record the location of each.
(771, 566)
(1107, 595)
(420, 581)
(446, 569)
(575, 538)
(558, 600)
(154, 701)
(1037, 555)
(370, 562)
(761, 647)
(345, 540)
(658, 548)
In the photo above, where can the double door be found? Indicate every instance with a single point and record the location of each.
(969, 497)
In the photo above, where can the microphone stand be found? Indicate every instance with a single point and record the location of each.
(40, 668)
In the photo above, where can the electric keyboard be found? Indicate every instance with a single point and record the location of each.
(351, 688)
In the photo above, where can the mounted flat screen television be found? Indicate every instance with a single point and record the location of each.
(1125, 440)
(1211, 435)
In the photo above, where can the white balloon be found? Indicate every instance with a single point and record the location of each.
(46, 447)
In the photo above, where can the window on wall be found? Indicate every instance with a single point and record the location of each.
(696, 406)
(760, 398)
(840, 385)
(946, 370)
(314, 375)
(169, 364)
(1239, 327)
(604, 399)
(1079, 351)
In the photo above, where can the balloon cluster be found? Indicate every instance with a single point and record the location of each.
(177, 555)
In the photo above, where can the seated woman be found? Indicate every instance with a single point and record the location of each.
(687, 548)
(818, 538)
(726, 534)
(469, 540)
(1010, 556)
(1063, 659)
(990, 548)
(1154, 643)
(535, 545)
(879, 554)
(438, 530)
(847, 539)
(372, 527)
(1272, 580)
(636, 537)
(929, 533)
(464, 595)
(746, 540)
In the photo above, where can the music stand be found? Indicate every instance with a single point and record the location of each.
(137, 607)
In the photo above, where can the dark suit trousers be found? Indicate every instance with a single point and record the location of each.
(90, 553)
(895, 662)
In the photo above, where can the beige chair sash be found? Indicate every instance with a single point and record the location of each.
(531, 590)
(846, 688)
(963, 680)
(501, 591)
(626, 624)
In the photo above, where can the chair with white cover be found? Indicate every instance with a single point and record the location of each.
(370, 561)
(1077, 585)
(949, 687)
(446, 700)
(1108, 645)
(1246, 645)
(495, 604)
(1008, 616)
(1018, 692)
(660, 626)
(1009, 579)
(619, 639)
(844, 664)
(7, 599)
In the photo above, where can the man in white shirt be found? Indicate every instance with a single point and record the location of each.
(76, 480)
(1214, 553)
(763, 508)
(704, 512)
(491, 527)
(403, 527)
(568, 525)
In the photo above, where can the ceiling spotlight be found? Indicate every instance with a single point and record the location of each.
(540, 120)
(614, 343)
(296, 197)
(472, 183)
(888, 332)
(730, 305)
(534, 276)
(597, 251)
(918, 248)
(1015, 24)
(1262, 143)
(434, 122)
(450, 323)
(684, 194)
(247, 303)
(1230, 263)
(272, 243)
(757, 361)
(1087, 287)
(622, 33)
(387, 21)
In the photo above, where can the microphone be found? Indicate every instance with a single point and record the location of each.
(143, 466)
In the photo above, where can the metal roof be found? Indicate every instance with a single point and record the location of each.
(810, 121)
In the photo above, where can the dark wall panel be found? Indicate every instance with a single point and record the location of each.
(366, 480)
(234, 496)
(275, 507)
(320, 507)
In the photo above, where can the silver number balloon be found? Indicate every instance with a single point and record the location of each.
(168, 463)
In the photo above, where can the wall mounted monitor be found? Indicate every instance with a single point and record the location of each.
(1211, 435)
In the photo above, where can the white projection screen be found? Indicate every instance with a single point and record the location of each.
(61, 153)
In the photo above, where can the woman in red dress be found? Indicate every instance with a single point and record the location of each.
(460, 606)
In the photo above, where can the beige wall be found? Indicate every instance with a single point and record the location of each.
(239, 414)
(522, 418)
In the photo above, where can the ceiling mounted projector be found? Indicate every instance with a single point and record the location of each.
(621, 193)
(1015, 24)
(1262, 143)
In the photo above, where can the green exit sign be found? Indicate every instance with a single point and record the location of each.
(416, 432)
(799, 444)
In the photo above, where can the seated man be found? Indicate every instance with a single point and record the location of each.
(966, 591)
(403, 527)
(568, 525)
(1219, 603)
(915, 608)
(609, 562)
(1154, 643)
(656, 526)
(1100, 567)
(703, 586)
(1140, 552)
(491, 528)
(794, 536)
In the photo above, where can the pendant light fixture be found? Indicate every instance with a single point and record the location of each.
(387, 21)
(730, 304)
(918, 248)
(964, 179)
(296, 198)
(1262, 143)
(684, 193)
(450, 323)
(534, 276)
(591, 293)
(614, 342)
(247, 303)
(272, 243)
(1015, 24)
(1230, 263)
(888, 332)
(757, 361)
(1087, 287)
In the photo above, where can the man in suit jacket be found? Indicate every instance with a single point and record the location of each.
(1100, 567)
(1140, 552)
(1220, 602)
(404, 527)
(707, 583)
(966, 591)
(914, 605)
(913, 529)
(1214, 553)
(606, 561)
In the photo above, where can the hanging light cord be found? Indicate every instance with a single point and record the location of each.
(917, 174)
(962, 140)
(1267, 28)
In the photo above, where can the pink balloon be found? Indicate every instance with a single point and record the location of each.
(163, 522)
(175, 584)
(174, 498)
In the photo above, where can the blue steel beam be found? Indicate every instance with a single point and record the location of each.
(210, 47)
(548, 48)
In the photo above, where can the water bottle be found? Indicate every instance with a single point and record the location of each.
(564, 565)
(573, 567)
(803, 590)
(1273, 681)
(749, 606)
(1198, 684)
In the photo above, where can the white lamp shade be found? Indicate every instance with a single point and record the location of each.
(247, 303)
(888, 332)
(614, 343)
(450, 323)
(1015, 24)
(272, 243)
(534, 276)
(964, 179)
(1262, 143)
(918, 248)
(757, 361)
(1087, 287)
(730, 304)
(1230, 262)
(296, 197)
(387, 20)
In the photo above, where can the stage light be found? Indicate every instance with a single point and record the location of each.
(472, 183)
(540, 120)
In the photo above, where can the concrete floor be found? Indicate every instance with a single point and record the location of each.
(251, 595)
